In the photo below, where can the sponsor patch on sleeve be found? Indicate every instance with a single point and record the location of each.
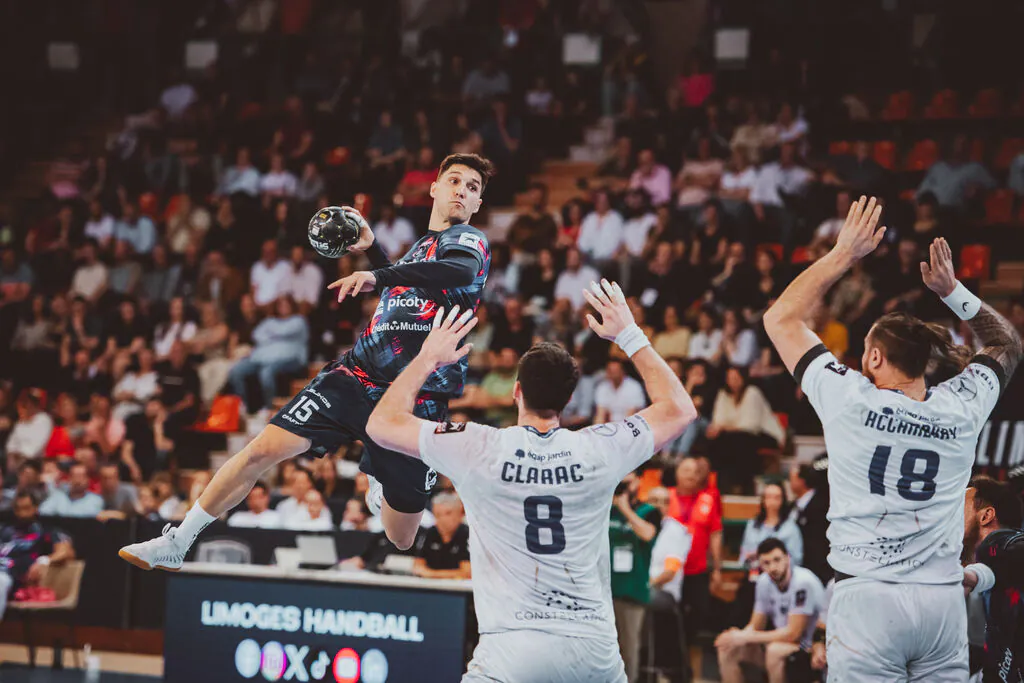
(449, 427)
(801, 598)
(468, 239)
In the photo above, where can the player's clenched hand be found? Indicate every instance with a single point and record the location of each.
(356, 283)
(861, 234)
(819, 660)
(608, 300)
(939, 276)
(365, 233)
(441, 346)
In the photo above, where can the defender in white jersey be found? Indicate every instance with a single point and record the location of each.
(537, 498)
(901, 437)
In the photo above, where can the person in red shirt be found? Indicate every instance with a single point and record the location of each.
(697, 506)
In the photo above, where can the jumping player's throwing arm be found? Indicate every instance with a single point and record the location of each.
(901, 436)
(448, 267)
(537, 497)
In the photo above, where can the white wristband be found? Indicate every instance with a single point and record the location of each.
(632, 339)
(963, 302)
(986, 577)
(43, 560)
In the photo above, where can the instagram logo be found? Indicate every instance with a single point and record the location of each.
(274, 661)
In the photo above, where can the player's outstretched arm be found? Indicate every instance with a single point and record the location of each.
(785, 322)
(671, 408)
(998, 337)
(392, 423)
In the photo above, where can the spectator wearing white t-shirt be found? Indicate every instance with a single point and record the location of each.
(669, 554)
(394, 233)
(259, 515)
(268, 277)
(574, 278)
(90, 278)
(136, 386)
(177, 98)
(313, 516)
(601, 230)
(176, 328)
(699, 176)
(300, 483)
(638, 224)
(31, 432)
(739, 178)
(828, 232)
(704, 345)
(305, 280)
(100, 225)
(789, 127)
(278, 181)
(782, 177)
(618, 395)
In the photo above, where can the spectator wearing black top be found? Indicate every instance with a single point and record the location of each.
(444, 549)
(737, 284)
(535, 228)
(179, 391)
(514, 330)
(27, 548)
(538, 281)
(810, 511)
(898, 285)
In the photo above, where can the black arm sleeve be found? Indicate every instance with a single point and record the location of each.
(378, 257)
(457, 269)
(1003, 551)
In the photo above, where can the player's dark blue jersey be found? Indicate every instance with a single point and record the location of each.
(405, 316)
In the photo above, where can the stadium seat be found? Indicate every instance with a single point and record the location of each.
(884, 153)
(922, 155)
(775, 248)
(987, 103)
(838, 148)
(224, 415)
(898, 106)
(1009, 149)
(977, 150)
(975, 262)
(149, 205)
(799, 255)
(172, 206)
(999, 207)
(944, 105)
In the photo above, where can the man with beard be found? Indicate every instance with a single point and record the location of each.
(992, 535)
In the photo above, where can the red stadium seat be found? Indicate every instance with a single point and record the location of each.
(799, 255)
(1008, 150)
(987, 103)
(975, 262)
(999, 207)
(884, 154)
(899, 105)
(172, 206)
(944, 105)
(774, 247)
(224, 415)
(839, 148)
(923, 154)
(908, 195)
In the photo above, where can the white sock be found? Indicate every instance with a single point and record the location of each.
(195, 521)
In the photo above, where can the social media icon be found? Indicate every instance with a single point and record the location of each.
(248, 657)
(346, 666)
(274, 661)
(374, 667)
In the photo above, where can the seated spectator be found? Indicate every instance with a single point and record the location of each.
(540, 99)
(357, 516)
(210, 344)
(639, 221)
(828, 231)
(90, 279)
(312, 516)
(572, 219)
(706, 343)
(601, 231)
(27, 548)
(395, 233)
(220, 283)
(777, 180)
(769, 283)
(178, 96)
(753, 137)
(699, 177)
(414, 189)
(702, 392)
(674, 340)
(176, 328)
(618, 395)
(573, 278)
(377, 551)
(305, 280)
(242, 178)
(179, 391)
(899, 285)
(120, 498)
(772, 521)
(268, 277)
(100, 225)
(739, 342)
(187, 225)
(167, 499)
(927, 223)
(281, 346)
(738, 178)
(696, 84)
(711, 241)
(617, 170)
(494, 393)
(792, 597)
(136, 387)
(128, 330)
(514, 330)
(640, 317)
(138, 231)
(669, 554)
(860, 172)
(200, 480)
(956, 180)
(161, 278)
(76, 500)
(742, 422)
(443, 552)
(148, 509)
(278, 181)
(535, 228)
(385, 149)
(736, 285)
(31, 432)
(791, 128)
(300, 482)
(29, 479)
(653, 178)
(485, 83)
(539, 281)
(258, 513)
(294, 139)
(311, 185)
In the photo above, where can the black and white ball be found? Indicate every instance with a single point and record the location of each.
(334, 229)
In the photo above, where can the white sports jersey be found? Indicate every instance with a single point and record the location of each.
(804, 595)
(537, 508)
(897, 468)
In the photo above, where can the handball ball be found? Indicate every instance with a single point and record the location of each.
(334, 229)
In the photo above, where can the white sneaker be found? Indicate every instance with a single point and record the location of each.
(374, 496)
(161, 552)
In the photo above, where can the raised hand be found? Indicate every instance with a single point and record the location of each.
(356, 283)
(441, 347)
(939, 275)
(860, 233)
(608, 300)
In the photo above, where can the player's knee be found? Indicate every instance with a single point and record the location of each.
(776, 653)
(402, 541)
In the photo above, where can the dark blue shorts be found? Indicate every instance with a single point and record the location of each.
(333, 409)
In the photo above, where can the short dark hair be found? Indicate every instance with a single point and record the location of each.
(547, 375)
(770, 545)
(1001, 497)
(261, 486)
(27, 493)
(474, 161)
(34, 465)
(915, 347)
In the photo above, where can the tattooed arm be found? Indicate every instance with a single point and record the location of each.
(999, 339)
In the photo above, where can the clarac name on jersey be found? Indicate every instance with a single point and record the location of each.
(890, 422)
(516, 473)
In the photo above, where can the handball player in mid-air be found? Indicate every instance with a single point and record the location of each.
(445, 269)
